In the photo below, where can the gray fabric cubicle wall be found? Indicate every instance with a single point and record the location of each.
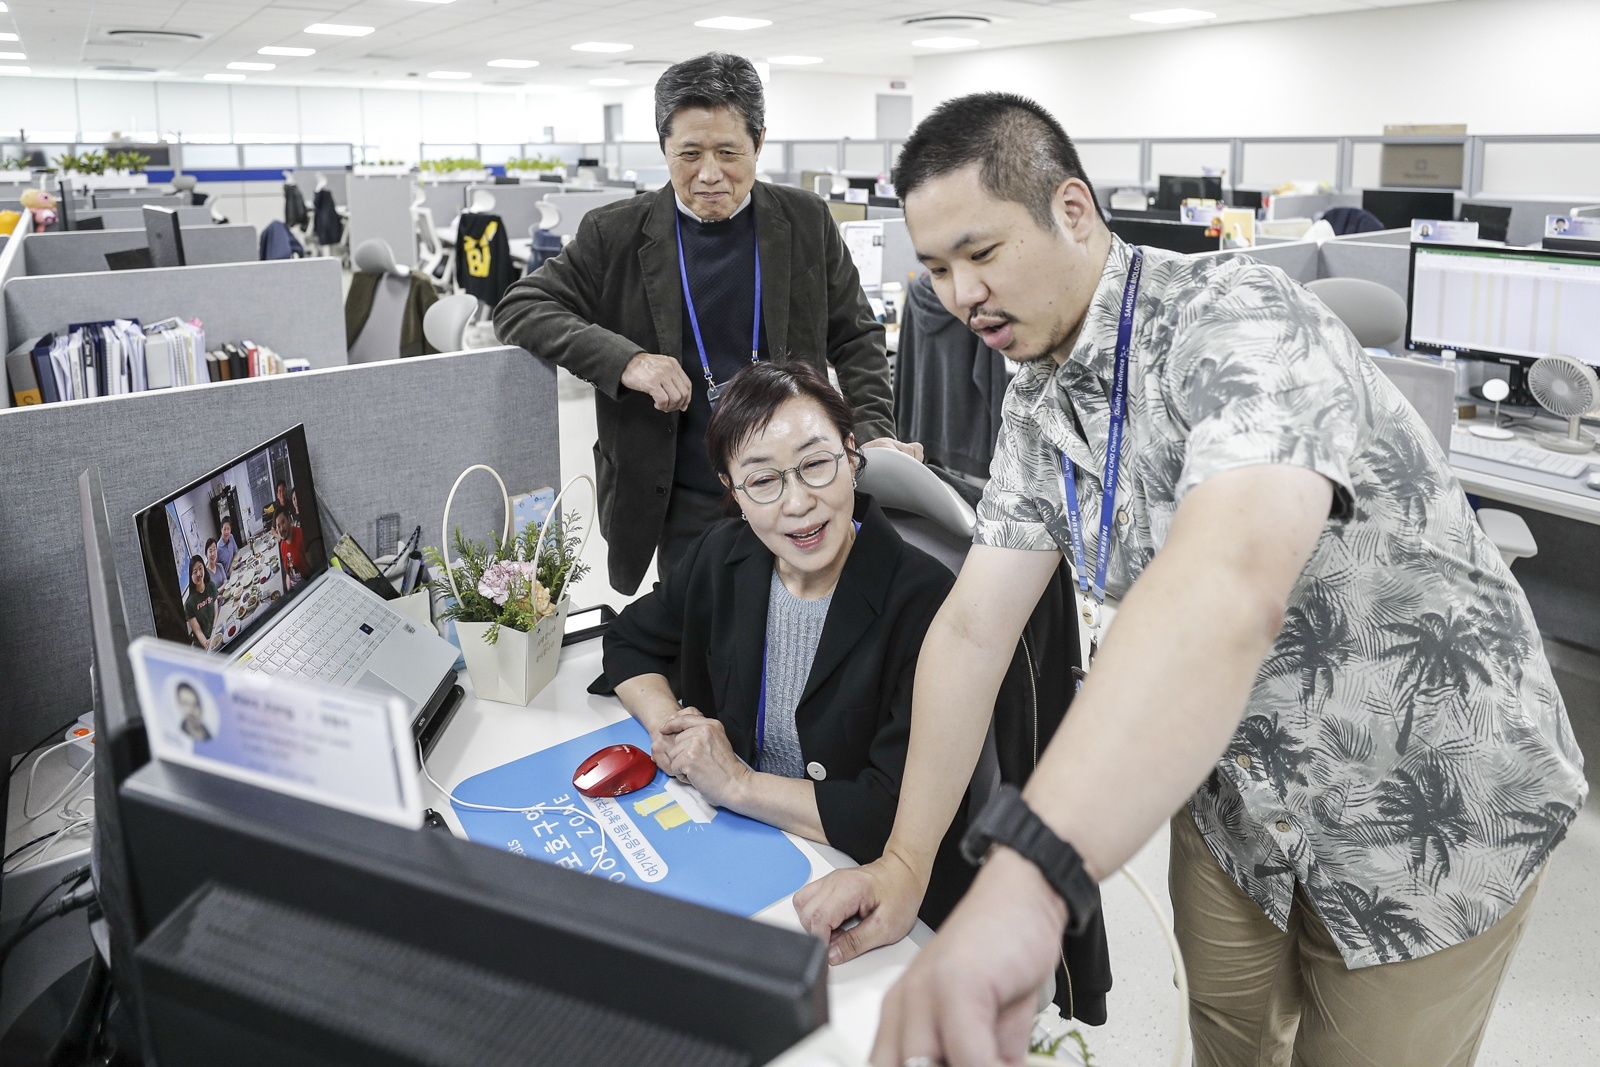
(380, 442)
(380, 209)
(1386, 264)
(84, 251)
(132, 218)
(295, 306)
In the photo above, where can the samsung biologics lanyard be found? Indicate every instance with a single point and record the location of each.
(1094, 595)
(713, 390)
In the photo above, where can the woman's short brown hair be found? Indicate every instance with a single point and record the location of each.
(754, 396)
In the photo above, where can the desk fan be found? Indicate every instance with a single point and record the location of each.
(1567, 388)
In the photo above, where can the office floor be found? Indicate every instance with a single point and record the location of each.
(1549, 1007)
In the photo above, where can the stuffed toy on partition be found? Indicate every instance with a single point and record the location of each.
(43, 206)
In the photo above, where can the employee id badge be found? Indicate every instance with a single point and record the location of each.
(713, 392)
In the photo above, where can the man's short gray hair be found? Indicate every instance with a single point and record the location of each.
(712, 81)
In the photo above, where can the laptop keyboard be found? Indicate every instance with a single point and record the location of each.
(331, 639)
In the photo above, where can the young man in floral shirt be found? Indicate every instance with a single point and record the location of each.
(1319, 659)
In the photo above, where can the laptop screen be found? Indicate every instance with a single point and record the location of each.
(227, 552)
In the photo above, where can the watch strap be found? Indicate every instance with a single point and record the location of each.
(1007, 820)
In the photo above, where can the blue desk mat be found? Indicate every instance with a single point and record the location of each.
(659, 838)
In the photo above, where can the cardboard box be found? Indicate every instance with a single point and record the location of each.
(1423, 166)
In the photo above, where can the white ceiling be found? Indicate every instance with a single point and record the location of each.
(68, 37)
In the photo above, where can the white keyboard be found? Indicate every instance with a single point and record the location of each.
(1557, 464)
(333, 636)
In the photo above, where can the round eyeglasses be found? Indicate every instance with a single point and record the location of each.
(765, 486)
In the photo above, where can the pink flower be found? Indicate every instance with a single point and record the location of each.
(498, 580)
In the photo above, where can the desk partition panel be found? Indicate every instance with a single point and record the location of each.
(132, 218)
(294, 306)
(380, 441)
(84, 251)
(380, 209)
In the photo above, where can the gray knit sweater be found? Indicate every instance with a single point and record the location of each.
(794, 627)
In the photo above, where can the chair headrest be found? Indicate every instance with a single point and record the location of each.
(374, 256)
(896, 480)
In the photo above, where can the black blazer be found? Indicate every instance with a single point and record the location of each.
(614, 292)
(706, 622)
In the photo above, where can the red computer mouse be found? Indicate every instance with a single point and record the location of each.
(613, 771)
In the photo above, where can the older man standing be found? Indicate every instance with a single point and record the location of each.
(660, 300)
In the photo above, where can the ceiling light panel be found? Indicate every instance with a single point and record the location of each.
(514, 64)
(9, 37)
(276, 50)
(601, 46)
(732, 22)
(12, 55)
(333, 29)
(1172, 15)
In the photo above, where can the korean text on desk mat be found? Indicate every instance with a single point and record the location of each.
(662, 837)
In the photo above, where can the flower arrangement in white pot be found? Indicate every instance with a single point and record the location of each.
(508, 599)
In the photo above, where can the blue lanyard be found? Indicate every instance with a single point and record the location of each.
(1108, 484)
(761, 698)
(713, 390)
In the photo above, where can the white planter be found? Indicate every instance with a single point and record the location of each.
(534, 173)
(518, 665)
(430, 177)
(115, 179)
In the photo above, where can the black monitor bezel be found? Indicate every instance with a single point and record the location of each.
(1508, 359)
(157, 553)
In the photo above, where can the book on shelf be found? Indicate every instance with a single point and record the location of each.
(118, 356)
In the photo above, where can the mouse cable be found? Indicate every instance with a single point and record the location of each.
(541, 809)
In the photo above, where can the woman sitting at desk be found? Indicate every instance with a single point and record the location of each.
(793, 633)
(200, 603)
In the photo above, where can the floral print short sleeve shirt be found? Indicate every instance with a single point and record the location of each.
(1405, 754)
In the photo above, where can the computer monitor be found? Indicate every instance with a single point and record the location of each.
(120, 747)
(1173, 236)
(1246, 198)
(1396, 208)
(67, 208)
(164, 236)
(1504, 305)
(306, 934)
(1494, 221)
(1173, 189)
(843, 211)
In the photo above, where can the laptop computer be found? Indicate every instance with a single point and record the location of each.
(235, 563)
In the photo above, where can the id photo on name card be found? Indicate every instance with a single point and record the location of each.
(345, 747)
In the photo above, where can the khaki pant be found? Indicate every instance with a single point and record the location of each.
(1262, 996)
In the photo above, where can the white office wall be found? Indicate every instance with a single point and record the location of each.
(1111, 162)
(1269, 164)
(330, 115)
(266, 113)
(125, 107)
(807, 105)
(391, 122)
(45, 108)
(1498, 65)
(191, 111)
(1196, 157)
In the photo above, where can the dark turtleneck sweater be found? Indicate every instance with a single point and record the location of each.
(720, 260)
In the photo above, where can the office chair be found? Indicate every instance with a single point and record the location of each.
(930, 515)
(435, 259)
(1375, 313)
(1431, 389)
(445, 324)
(379, 336)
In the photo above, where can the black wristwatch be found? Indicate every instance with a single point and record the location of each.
(1007, 820)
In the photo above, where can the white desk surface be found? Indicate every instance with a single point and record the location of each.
(1568, 497)
(486, 734)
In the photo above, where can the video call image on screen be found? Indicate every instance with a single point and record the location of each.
(240, 542)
